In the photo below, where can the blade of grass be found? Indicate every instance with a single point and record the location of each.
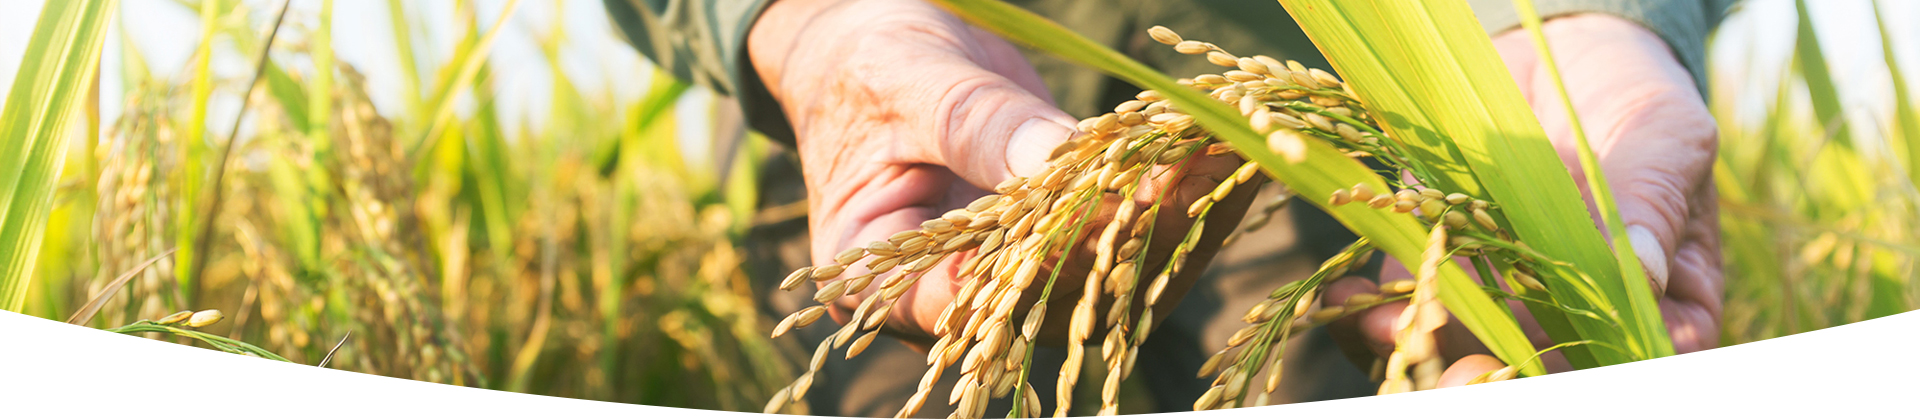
(1887, 287)
(218, 342)
(494, 175)
(653, 128)
(320, 49)
(403, 53)
(566, 104)
(444, 101)
(1630, 269)
(662, 92)
(1906, 118)
(193, 150)
(1321, 170)
(300, 224)
(86, 312)
(1812, 63)
(60, 62)
(290, 95)
(302, 206)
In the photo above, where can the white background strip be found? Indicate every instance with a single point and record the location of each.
(52, 369)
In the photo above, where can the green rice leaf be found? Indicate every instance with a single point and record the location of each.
(1906, 118)
(61, 60)
(194, 149)
(1809, 59)
(288, 94)
(320, 110)
(404, 55)
(1433, 74)
(662, 92)
(471, 59)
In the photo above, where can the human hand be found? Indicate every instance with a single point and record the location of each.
(1654, 137)
(902, 111)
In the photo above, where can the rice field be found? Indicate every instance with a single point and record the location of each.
(445, 239)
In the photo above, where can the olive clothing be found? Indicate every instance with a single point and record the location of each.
(704, 42)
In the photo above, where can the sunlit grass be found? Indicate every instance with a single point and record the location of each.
(584, 259)
(587, 258)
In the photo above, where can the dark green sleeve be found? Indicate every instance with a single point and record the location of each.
(1684, 24)
(704, 42)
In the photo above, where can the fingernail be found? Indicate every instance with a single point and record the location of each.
(1031, 143)
(1653, 257)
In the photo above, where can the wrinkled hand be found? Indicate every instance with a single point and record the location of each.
(1656, 141)
(902, 112)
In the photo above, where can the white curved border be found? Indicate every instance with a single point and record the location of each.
(51, 369)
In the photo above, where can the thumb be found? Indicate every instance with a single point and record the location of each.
(995, 129)
(996, 119)
(1654, 168)
(1468, 368)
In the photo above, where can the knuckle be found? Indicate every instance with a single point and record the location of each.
(1658, 193)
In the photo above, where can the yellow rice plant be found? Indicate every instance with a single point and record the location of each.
(1485, 185)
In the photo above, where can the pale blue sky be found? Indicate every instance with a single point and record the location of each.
(601, 63)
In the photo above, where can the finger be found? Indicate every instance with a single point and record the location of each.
(1467, 368)
(1347, 331)
(1338, 292)
(1654, 185)
(1375, 326)
(898, 200)
(1175, 187)
(994, 130)
(921, 305)
(979, 106)
(1370, 329)
(1456, 341)
(1693, 304)
(933, 88)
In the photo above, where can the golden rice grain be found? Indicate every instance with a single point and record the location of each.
(204, 318)
(796, 278)
(1192, 47)
(1223, 59)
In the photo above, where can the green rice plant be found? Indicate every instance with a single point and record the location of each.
(1810, 61)
(183, 323)
(1906, 118)
(1817, 213)
(472, 58)
(59, 66)
(1426, 96)
(1553, 205)
(194, 147)
(573, 260)
(591, 259)
(1436, 61)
